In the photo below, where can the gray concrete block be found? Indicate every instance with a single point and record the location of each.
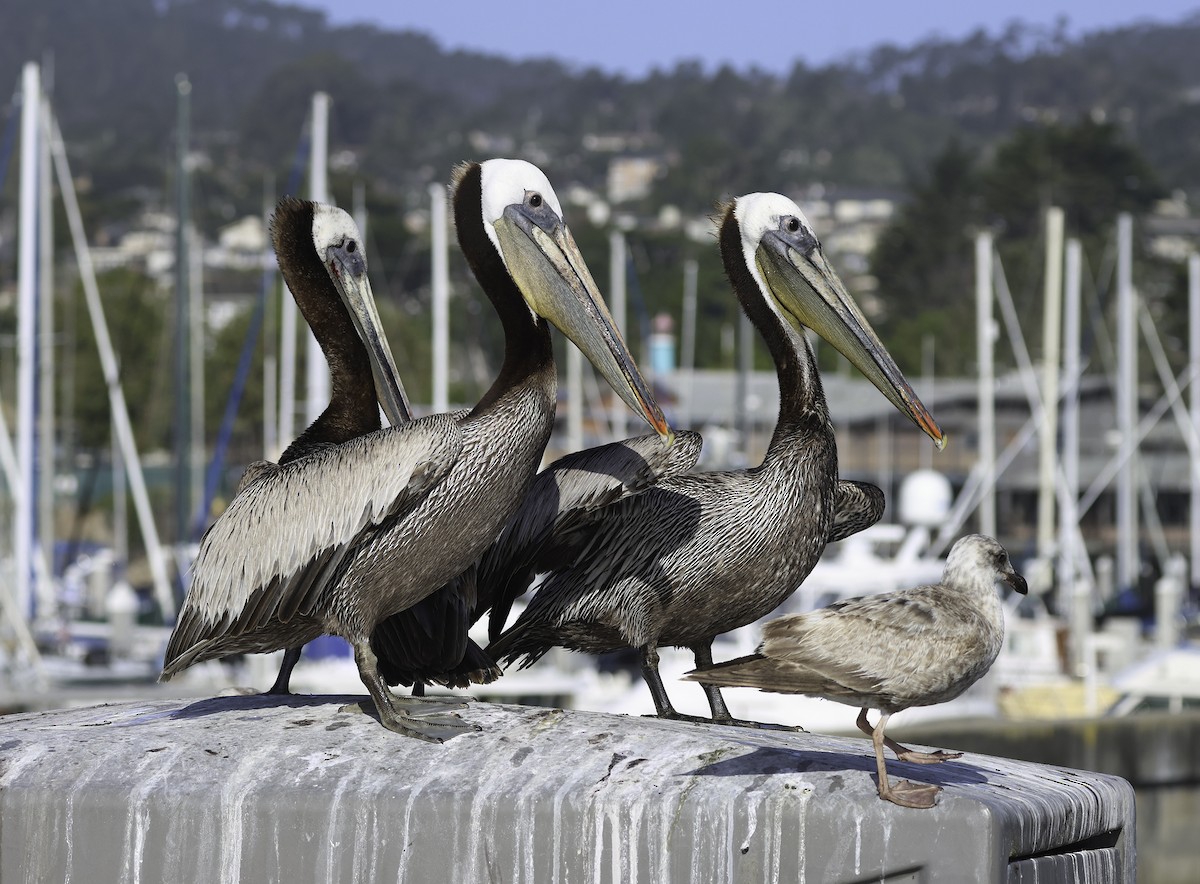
(259, 789)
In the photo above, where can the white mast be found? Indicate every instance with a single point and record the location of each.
(196, 369)
(687, 350)
(1194, 375)
(1127, 522)
(31, 97)
(1051, 342)
(45, 372)
(439, 246)
(574, 397)
(1068, 517)
(271, 449)
(316, 371)
(616, 272)
(116, 396)
(985, 331)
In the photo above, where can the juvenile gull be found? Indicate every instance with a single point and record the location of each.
(914, 647)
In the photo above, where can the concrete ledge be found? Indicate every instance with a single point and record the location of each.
(249, 788)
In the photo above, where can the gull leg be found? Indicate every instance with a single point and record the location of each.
(434, 729)
(904, 793)
(290, 658)
(903, 752)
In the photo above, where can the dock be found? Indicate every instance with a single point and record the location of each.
(297, 789)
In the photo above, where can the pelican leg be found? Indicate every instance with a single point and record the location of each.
(903, 752)
(662, 703)
(418, 689)
(433, 728)
(720, 712)
(716, 702)
(904, 793)
(290, 658)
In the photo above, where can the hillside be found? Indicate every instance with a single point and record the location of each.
(408, 108)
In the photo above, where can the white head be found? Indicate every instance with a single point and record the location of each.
(977, 558)
(759, 213)
(508, 182)
(334, 227)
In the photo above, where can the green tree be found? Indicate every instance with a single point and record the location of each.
(138, 319)
(924, 264)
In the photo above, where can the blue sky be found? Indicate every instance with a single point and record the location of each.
(633, 36)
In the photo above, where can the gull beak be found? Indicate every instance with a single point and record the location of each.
(1015, 580)
(811, 294)
(546, 265)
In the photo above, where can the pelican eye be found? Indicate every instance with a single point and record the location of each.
(351, 246)
(792, 224)
(535, 200)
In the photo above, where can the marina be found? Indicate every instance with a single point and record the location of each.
(1078, 452)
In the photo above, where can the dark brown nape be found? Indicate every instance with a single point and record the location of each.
(353, 409)
(799, 383)
(527, 344)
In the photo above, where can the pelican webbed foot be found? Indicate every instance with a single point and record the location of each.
(431, 727)
(428, 705)
(730, 721)
(398, 715)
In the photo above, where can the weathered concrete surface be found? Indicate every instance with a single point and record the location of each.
(252, 789)
(1157, 752)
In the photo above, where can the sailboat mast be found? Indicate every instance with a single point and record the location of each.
(45, 372)
(31, 96)
(1194, 374)
(183, 406)
(985, 342)
(316, 371)
(1127, 522)
(441, 298)
(1051, 344)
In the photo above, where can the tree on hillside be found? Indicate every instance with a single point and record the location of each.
(924, 264)
(925, 259)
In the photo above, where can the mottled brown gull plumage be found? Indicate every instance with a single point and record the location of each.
(892, 651)
(699, 554)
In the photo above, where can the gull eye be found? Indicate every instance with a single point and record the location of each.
(792, 224)
(535, 200)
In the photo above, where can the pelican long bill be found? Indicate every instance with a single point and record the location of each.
(808, 289)
(349, 271)
(547, 266)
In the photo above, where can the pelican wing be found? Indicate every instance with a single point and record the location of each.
(287, 533)
(856, 507)
(565, 500)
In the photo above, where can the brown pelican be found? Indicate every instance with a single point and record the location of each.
(700, 554)
(915, 647)
(338, 541)
(419, 644)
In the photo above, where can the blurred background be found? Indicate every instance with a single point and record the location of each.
(929, 146)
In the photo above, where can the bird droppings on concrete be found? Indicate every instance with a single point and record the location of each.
(596, 798)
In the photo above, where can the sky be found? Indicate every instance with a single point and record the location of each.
(634, 36)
